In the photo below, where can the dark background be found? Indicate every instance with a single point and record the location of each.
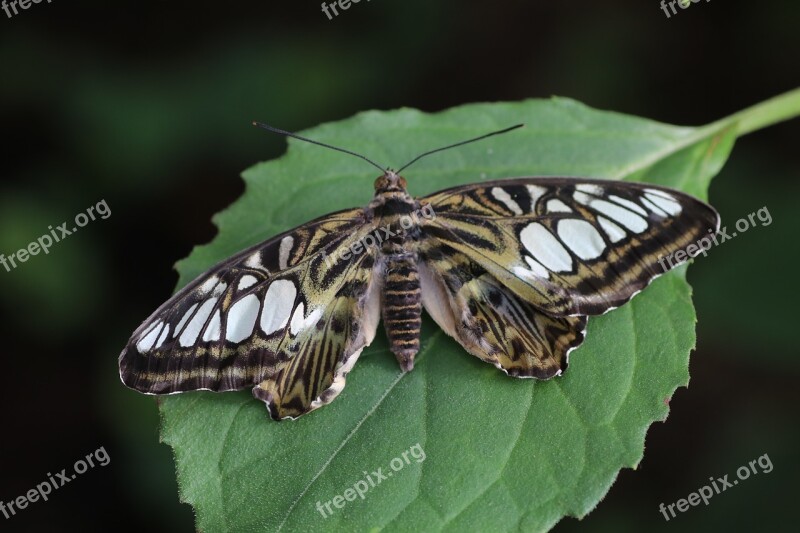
(147, 105)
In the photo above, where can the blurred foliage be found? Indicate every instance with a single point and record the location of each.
(149, 106)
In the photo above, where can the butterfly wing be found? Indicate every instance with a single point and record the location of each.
(491, 321)
(283, 316)
(569, 246)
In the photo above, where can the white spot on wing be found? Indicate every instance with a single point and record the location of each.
(557, 206)
(163, 336)
(242, 318)
(537, 268)
(219, 289)
(189, 335)
(208, 284)
(590, 188)
(545, 248)
(254, 261)
(525, 274)
(298, 319)
(502, 195)
(614, 232)
(301, 322)
(653, 207)
(536, 192)
(658, 192)
(214, 328)
(284, 251)
(667, 204)
(582, 198)
(185, 317)
(313, 317)
(581, 237)
(153, 326)
(278, 304)
(627, 203)
(147, 341)
(616, 212)
(246, 281)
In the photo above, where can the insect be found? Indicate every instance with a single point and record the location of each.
(511, 269)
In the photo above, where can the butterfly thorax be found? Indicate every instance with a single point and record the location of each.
(395, 212)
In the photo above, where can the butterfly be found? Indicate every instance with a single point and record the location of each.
(511, 269)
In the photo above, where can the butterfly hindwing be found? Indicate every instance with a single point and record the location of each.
(281, 316)
(569, 246)
(490, 321)
(322, 350)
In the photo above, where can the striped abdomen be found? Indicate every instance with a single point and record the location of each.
(402, 308)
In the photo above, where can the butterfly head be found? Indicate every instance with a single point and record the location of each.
(390, 182)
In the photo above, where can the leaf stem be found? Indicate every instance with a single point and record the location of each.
(767, 113)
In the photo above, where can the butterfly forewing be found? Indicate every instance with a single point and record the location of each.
(569, 246)
(281, 316)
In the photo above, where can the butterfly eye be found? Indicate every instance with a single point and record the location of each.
(381, 182)
(390, 182)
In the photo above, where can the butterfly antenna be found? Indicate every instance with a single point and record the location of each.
(457, 144)
(296, 136)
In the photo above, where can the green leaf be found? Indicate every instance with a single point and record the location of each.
(499, 453)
